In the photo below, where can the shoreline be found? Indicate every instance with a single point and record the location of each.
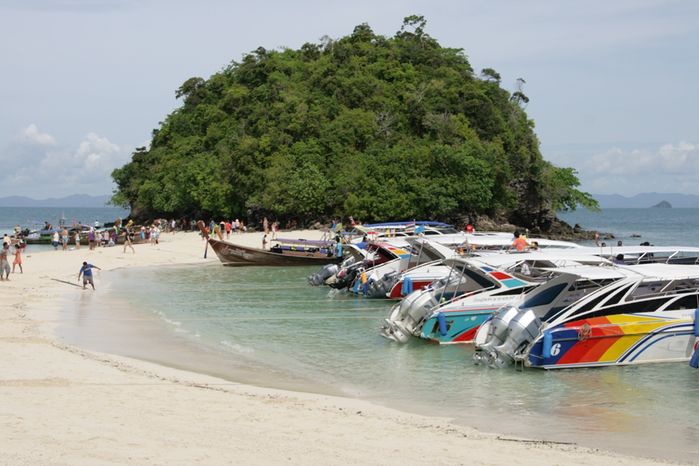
(83, 406)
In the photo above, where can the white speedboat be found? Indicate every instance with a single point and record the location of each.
(645, 313)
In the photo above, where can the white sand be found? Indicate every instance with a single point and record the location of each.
(64, 405)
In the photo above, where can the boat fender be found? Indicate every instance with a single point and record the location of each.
(694, 361)
(696, 322)
(548, 342)
(407, 286)
(442, 321)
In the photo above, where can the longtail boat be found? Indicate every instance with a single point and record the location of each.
(282, 252)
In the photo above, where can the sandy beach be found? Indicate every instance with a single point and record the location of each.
(66, 405)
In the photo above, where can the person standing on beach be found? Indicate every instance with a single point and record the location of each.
(18, 258)
(127, 240)
(265, 225)
(77, 239)
(91, 238)
(4, 263)
(86, 272)
(55, 240)
(64, 238)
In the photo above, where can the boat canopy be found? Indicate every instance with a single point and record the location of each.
(306, 242)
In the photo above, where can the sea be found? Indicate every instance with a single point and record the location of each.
(266, 326)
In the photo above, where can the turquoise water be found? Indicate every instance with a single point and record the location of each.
(266, 326)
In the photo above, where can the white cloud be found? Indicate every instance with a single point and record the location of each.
(668, 159)
(32, 135)
(36, 165)
(671, 167)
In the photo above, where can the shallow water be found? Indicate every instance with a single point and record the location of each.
(266, 326)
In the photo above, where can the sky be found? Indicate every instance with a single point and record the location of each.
(613, 85)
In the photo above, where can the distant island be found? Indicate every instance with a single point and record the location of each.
(644, 200)
(75, 200)
(663, 205)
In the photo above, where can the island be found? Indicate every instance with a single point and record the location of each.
(662, 205)
(379, 128)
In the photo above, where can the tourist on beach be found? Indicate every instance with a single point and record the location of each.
(86, 272)
(55, 240)
(4, 263)
(64, 238)
(173, 226)
(6, 239)
(127, 240)
(91, 238)
(77, 239)
(18, 258)
(229, 227)
(597, 239)
(275, 227)
(264, 242)
(265, 225)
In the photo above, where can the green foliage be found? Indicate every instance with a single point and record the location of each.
(365, 125)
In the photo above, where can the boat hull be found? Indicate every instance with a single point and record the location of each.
(236, 255)
(461, 326)
(617, 340)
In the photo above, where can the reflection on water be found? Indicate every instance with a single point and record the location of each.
(266, 326)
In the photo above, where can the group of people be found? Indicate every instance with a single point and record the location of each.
(5, 253)
(226, 227)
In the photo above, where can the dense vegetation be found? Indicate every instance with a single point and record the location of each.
(369, 126)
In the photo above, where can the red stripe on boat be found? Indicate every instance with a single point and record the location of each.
(467, 336)
(500, 275)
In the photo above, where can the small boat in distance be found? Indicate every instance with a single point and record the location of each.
(283, 252)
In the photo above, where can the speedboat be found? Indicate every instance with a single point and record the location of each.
(646, 313)
(452, 309)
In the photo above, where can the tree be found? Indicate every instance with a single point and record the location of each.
(379, 127)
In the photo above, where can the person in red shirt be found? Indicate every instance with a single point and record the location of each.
(519, 243)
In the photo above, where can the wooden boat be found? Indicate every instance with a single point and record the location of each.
(282, 252)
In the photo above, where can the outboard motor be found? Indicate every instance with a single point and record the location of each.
(346, 276)
(523, 329)
(323, 274)
(379, 288)
(497, 332)
(407, 316)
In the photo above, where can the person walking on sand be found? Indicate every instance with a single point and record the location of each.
(4, 263)
(86, 272)
(18, 259)
(77, 239)
(127, 240)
